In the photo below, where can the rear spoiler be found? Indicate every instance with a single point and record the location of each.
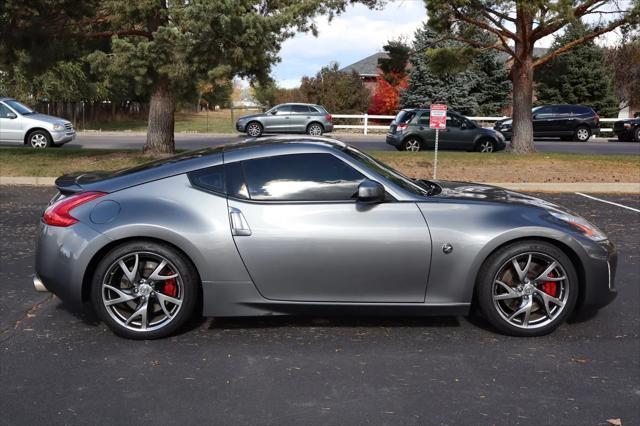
(72, 183)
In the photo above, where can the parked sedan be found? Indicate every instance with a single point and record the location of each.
(567, 122)
(287, 118)
(628, 130)
(21, 125)
(311, 226)
(410, 131)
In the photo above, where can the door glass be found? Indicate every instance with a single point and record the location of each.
(453, 121)
(300, 109)
(424, 119)
(301, 177)
(284, 110)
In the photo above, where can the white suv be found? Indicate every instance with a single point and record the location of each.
(19, 124)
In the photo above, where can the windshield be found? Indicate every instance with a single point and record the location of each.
(386, 171)
(19, 108)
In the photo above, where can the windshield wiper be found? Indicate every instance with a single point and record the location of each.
(428, 185)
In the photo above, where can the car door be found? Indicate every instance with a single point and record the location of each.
(301, 115)
(303, 236)
(427, 134)
(278, 119)
(10, 125)
(543, 121)
(455, 136)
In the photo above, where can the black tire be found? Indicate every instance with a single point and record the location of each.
(582, 134)
(498, 261)
(411, 144)
(254, 129)
(623, 138)
(188, 287)
(39, 139)
(486, 146)
(636, 134)
(315, 129)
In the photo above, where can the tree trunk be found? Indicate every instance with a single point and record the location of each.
(161, 119)
(522, 125)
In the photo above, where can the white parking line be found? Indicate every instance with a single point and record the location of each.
(609, 202)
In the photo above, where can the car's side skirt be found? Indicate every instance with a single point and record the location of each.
(241, 299)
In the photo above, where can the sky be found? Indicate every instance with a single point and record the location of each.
(356, 34)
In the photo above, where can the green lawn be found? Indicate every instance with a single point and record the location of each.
(201, 122)
(502, 167)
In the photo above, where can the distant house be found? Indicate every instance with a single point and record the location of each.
(367, 69)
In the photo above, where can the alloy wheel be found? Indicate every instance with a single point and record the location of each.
(486, 146)
(582, 134)
(254, 130)
(530, 290)
(142, 291)
(315, 130)
(38, 140)
(412, 145)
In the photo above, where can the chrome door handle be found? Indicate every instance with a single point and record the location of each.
(239, 225)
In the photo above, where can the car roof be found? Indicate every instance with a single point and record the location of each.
(6, 99)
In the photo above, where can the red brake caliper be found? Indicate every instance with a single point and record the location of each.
(550, 287)
(170, 287)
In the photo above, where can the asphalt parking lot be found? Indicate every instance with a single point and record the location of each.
(63, 367)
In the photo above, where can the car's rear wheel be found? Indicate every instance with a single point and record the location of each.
(637, 134)
(582, 134)
(254, 129)
(527, 288)
(144, 290)
(315, 129)
(412, 145)
(39, 139)
(486, 145)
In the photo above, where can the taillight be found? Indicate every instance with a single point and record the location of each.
(402, 126)
(597, 119)
(59, 213)
(328, 117)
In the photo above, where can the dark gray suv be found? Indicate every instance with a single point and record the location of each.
(410, 131)
(287, 118)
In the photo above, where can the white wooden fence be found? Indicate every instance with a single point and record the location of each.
(365, 126)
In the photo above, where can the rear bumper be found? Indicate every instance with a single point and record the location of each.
(393, 139)
(62, 257)
(328, 127)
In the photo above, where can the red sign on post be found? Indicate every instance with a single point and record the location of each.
(438, 116)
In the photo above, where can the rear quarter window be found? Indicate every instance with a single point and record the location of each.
(404, 116)
(210, 179)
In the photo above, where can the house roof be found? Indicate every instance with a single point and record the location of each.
(367, 67)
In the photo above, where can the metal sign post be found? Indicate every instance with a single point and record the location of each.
(437, 121)
(435, 157)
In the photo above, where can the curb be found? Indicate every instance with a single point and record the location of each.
(608, 187)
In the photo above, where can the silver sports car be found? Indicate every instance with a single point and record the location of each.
(308, 225)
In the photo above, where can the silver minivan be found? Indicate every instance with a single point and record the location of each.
(287, 118)
(21, 125)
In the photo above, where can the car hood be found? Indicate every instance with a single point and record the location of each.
(46, 118)
(488, 193)
(250, 116)
(504, 121)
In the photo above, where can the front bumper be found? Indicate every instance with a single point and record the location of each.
(599, 269)
(241, 126)
(63, 137)
(506, 132)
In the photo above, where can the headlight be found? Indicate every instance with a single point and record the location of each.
(58, 127)
(581, 225)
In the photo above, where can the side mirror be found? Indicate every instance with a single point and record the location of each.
(534, 116)
(370, 191)
(11, 115)
(464, 126)
(274, 112)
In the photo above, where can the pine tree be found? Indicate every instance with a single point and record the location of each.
(580, 76)
(479, 88)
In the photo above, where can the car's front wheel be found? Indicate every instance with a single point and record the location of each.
(39, 139)
(582, 134)
(637, 134)
(527, 288)
(144, 290)
(254, 129)
(486, 145)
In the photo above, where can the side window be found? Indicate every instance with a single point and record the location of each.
(284, 110)
(301, 177)
(300, 109)
(544, 111)
(211, 178)
(453, 121)
(4, 111)
(424, 119)
(568, 109)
